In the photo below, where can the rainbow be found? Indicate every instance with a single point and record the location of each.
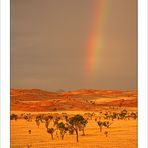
(95, 37)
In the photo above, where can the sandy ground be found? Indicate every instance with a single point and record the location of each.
(121, 134)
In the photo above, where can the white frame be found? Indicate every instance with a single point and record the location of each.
(5, 74)
(142, 74)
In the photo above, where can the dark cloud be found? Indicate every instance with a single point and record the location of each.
(48, 45)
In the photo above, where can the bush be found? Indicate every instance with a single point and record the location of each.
(13, 117)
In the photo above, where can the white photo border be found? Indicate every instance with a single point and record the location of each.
(5, 75)
(142, 74)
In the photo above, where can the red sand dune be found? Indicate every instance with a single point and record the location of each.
(40, 100)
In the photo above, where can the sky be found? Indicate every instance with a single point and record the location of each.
(74, 44)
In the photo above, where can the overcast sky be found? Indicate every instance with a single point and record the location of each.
(48, 44)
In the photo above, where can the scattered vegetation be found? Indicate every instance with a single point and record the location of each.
(62, 124)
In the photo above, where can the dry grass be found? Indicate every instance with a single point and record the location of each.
(121, 134)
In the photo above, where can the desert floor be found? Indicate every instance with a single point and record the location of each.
(121, 134)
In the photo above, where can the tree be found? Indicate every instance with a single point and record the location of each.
(76, 123)
(29, 131)
(66, 118)
(123, 114)
(62, 128)
(103, 123)
(37, 122)
(82, 128)
(56, 121)
(28, 117)
(71, 130)
(107, 116)
(113, 116)
(47, 120)
(106, 124)
(13, 117)
(40, 117)
(106, 133)
(124, 111)
(134, 115)
(46, 124)
(50, 131)
(100, 124)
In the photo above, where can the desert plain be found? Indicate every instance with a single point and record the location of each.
(115, 107)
